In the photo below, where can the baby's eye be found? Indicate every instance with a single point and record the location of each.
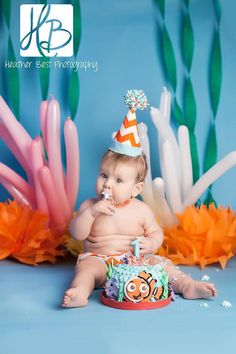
(119, 180)
(103, 175)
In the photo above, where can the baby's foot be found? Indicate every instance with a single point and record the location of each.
(198, 289)
(73, 298)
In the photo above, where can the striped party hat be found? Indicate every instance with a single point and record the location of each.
(126, 140)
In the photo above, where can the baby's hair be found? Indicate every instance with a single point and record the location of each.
(139, 161)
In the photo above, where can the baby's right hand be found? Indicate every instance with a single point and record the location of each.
(103, 206)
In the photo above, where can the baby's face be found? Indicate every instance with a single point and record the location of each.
(117, 179)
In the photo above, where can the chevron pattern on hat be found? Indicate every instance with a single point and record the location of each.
(128, 132)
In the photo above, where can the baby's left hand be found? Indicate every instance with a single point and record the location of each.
(147, 245)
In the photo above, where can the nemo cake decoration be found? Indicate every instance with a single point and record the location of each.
(134, 284)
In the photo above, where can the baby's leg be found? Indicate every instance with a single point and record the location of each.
(90, 272)
(183, 284)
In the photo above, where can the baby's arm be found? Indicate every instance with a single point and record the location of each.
(81, 224)
(153, 233)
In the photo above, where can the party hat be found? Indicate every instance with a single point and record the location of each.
(126, 140)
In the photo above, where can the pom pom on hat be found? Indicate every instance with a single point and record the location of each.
(136, 99)
(126, 141)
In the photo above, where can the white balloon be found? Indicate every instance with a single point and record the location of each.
(185, 160)
(210, 177)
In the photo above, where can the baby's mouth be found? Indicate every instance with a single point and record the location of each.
(106, 195)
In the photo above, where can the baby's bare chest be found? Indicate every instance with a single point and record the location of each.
(123, 222)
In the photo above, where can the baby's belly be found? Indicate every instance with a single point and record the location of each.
(109, 244)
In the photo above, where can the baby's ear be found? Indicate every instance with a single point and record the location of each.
(137, 189)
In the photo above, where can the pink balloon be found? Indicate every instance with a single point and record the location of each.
(54, 157)
(54, 203)
(36, 159)
(15, 193)
(43, 121)
(18, 182)
(72, 161)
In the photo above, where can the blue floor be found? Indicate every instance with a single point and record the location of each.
(31, 320)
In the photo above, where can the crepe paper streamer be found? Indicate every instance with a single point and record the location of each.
(185, 158)
(165, 104)
(74, 93)
(18, 182)
(161, 5)
(215, 73)
(211, 153)
(13, 81)
(53, 199)
(14, 192)
(166, 133)
(203, 236)
(217, 8)
(169, 58)
(54, 156)
(44, 77)
(15, 129)
(23, 235)
(77, 25)
(190, 105)
(136, 99)
(194, 155)
(72, 161)
(188, 40)
(178, 113)
(172, 187)
(136, 245)
(164, 214)
(210, 177)
(226, 304)
(37, 163)
(6, 9)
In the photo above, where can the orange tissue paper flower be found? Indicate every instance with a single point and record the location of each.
(25, 235)
(203, 236)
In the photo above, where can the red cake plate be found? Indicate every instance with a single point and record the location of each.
(128, 305)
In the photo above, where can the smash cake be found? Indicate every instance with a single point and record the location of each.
(136, 285)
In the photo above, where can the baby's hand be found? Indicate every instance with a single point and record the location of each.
(104, 206)
(146, 245)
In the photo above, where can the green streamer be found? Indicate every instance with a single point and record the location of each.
(177, 112)
(77, 26)
(211, 153)
(190, 105)
(44, 77)
(74, 91)
(186, 3)
(161, 5)
(188, 42)
(217, 8)
(169, 58)
(194, 155)
(6, 9)
(215, 73)
(13, 81)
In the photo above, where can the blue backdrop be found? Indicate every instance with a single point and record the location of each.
(122, 38)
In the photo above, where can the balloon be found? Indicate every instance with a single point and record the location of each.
(18, 182)
(165, 104)
(14, 192)
(72, 161)
(164, 213)
(54, 156)
(210, 177)
(171, 182)
(37, 163)
(54, 203)
(43, 121)
(185, 160)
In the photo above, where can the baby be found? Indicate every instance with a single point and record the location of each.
(109, 224)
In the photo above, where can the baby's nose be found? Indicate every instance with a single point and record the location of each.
(107, 184)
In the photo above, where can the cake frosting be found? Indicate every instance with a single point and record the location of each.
(136, 281)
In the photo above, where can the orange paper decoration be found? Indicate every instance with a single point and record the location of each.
(25, 235)
(203, 236)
